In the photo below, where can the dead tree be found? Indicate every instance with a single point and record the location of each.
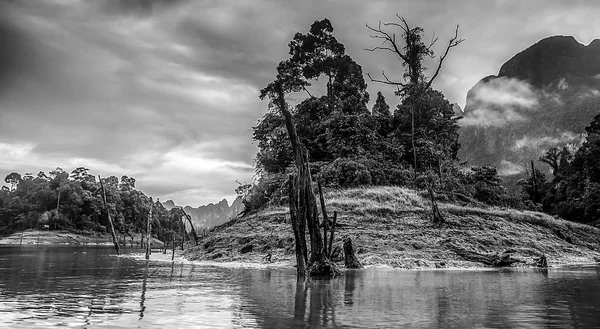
(325, 219)
(298, 227)
(112, 227)
(331, 236)
(191, 225)
(411, 50)
(303, 205)
(435, 211)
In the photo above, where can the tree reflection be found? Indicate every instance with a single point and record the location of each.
(143, 298)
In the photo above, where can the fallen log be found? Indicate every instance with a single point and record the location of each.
(496, 260)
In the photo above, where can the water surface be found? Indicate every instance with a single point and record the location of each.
(91, 288)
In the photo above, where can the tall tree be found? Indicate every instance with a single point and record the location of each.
(412, 51)
(312, 55)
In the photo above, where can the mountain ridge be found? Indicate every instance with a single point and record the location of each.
(212, 214)
(542, 97)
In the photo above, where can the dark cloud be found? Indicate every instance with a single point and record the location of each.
(166, 91)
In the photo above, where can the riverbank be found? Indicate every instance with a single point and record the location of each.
(392, 227)
(45, 237)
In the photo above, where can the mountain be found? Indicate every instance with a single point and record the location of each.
(211, 215)
(542, 97)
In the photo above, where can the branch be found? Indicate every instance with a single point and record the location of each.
(308, 92)
(387, 81)
(454, 41)
(387, 38)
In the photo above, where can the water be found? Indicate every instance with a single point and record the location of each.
(88, 287)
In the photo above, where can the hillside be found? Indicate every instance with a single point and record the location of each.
(391, 226)
(542, 97)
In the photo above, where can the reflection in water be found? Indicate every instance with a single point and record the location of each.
(143, 298)
(89, 287)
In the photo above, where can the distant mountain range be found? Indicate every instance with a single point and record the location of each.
(542, 97)
(210, 215)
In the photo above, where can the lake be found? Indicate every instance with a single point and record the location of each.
(89, 287)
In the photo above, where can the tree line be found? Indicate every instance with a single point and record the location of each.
(573, 192)
(62, 200)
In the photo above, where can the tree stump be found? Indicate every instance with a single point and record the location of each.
(542, 262)
(350, 260)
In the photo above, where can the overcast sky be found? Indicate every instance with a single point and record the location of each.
(167, 91)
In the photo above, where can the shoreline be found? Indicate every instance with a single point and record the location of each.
(67, 238)
(289, 265)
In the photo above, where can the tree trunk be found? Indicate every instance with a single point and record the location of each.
(325, 219)
(191, 225)
(112, 228)
(299, 233)
(148, 228)
(412, 140)
(330, 249)
(536, 195)
(173, 254)
(306, 210)
(350, 260)
(437, 216)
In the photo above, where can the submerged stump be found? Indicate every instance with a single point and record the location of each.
(350, 260)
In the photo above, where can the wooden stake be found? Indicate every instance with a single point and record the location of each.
(148, 228)
(325, 219)
(332, 231)
(112, 227)
(173, 255)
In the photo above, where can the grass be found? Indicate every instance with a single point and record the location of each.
(392, 226)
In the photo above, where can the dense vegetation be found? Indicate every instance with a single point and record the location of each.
(415, 145)
(574, 191)
(349, 145)
(74, 201)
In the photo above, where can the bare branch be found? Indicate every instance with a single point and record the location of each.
(380, 48)
(387, 81)
(308, 92)
(454, 41)
(434, 39)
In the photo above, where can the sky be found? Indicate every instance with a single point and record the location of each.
(166, 91)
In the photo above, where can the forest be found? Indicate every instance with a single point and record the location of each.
(74, 201)
(411, 144)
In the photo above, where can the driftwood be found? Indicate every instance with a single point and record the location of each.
(112, 227)
(350, 260)
(496, 260)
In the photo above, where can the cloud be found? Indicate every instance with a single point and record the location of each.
(508, 168)
(499, 101)
(505, 91)
(546, 142)
(124, 87)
